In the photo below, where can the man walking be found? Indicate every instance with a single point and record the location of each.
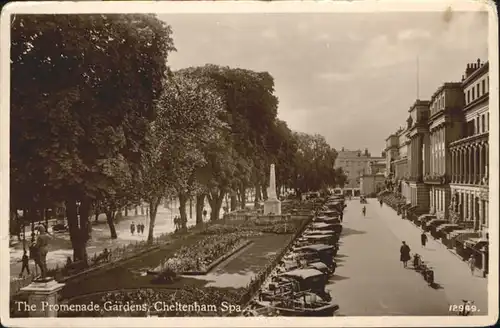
(423, 239)
(404, 252)
(25, 259)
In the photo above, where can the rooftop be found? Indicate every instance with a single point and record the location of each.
(473, 71)
(446, 85)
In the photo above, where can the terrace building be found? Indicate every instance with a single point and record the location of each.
(417, 133)
(445, 126)
(470, 153)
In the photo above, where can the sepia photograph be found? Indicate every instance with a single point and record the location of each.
(246, 160)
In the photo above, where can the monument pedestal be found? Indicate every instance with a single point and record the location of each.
(272, 206)
(42, 296)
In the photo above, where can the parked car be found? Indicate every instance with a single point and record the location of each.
(59, 227)
(443, 229)
(422, 219)
(432, 224)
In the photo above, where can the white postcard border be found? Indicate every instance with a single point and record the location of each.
(210, 7)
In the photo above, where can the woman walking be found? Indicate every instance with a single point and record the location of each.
(404, 252)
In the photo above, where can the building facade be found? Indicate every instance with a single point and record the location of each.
(418, 155)
(373, 181)
(355, 163)
(445, 126)
(439, 162)
(469, 155)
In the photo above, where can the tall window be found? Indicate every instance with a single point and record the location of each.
(483, 123)
(468, 96)
(483, 83)
(477, 91)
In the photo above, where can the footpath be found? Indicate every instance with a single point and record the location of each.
(451, 273)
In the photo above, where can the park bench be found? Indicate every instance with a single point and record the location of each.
(102, 258)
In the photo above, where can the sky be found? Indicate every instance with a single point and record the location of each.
(350, 77)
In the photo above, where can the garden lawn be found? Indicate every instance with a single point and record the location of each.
(233, 273)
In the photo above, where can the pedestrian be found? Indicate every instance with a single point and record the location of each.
(472, 263)
(381, 203)
(132, 228)
(423, 239)
(142, 228)
(404, 254)
(25, 260)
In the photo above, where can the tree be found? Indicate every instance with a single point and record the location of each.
(82, 96)
(314, 164)
(251, 108)
(188, 119)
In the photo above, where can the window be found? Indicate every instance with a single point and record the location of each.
(483, 123)
(468, 96)
(488, 121)
(483, 83)
(473, 94)
(477, 91)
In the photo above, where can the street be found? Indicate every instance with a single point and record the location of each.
(370, 280)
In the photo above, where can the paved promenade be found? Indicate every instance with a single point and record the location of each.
(370, 279)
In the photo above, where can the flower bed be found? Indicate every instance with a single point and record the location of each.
(200, 256)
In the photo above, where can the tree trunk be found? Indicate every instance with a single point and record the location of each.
(257, 198)
(243, 195)
(126, 211)
(142, 209)
(78, 229)
(200, 202)
(182, 209)
(215, 201)
(153, 208)
(234, 201)
(110, 219)
(135, 211)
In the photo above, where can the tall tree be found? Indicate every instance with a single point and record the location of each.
(251, 108)
(82, 96)
(188, 119)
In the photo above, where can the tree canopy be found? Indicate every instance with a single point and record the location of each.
(83, 91)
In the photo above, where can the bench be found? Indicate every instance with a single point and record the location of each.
(102, 258)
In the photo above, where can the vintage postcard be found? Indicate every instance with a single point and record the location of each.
(239, 164)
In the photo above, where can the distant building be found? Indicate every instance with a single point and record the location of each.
(355, 163)
(373, 180)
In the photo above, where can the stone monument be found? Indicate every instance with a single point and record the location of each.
(272, 205)
(42, 297)
(43, 291)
